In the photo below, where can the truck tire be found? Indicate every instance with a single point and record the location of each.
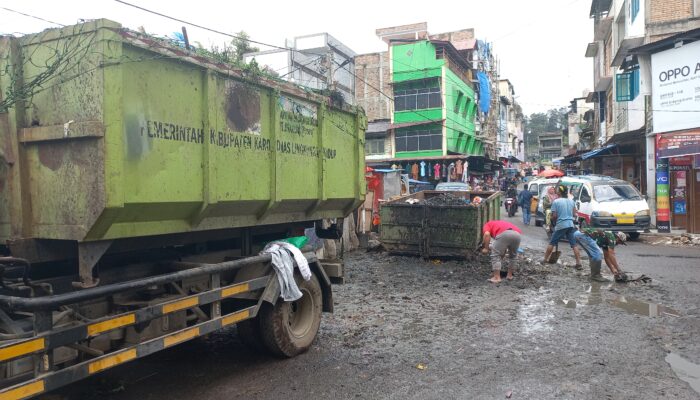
(289, 328)
(249, 334)
(633, 235)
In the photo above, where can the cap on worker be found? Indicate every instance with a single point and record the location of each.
(562, 190)
(622, 237)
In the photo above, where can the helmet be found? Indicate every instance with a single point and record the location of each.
(622, 237)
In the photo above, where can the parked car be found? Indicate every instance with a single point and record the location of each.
(452, 187)
(612, 204)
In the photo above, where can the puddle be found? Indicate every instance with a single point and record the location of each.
(667, 256)
(593, 296)
(534, 315)
(685, 370)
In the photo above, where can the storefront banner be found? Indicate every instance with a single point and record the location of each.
(663, 212)
(678, 143)
(675, 82)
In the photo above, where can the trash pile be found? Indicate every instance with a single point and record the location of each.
(447, 199)
(682, 240)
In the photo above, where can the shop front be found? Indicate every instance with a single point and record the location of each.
(679, 153)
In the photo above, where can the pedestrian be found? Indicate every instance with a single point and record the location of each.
(607, 241)
(563, 211)
(501, 238)
(524, 198)
(547, 201)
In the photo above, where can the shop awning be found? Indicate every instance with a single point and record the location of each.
(627, 137)
(603, 151)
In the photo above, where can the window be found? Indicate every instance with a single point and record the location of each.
(458, 103)
(467, 107)
(585, 196)
(419, 140)
(627, 85)
(417, 99)
(634, 6)
(615, 192)
(374, 146)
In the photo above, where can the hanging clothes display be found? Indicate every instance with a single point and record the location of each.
(394, 166)
(458, 169)
(407, 169)
(436, 171)
(429, 170)
(414, 171)
(465, 172)
(422, 169)
(444, 170)
(451, 172)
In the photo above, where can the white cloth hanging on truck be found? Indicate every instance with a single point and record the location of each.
(284, 255)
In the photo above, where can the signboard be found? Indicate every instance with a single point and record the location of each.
(675, 81)
(678, 143)
(663, 212)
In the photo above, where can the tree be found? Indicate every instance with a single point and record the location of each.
(241, 45)
(554, 120)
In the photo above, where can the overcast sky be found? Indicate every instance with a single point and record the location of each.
(541, 43)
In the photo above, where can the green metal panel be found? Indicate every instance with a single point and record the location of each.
(412, 61)
(163, 141)
(436, 230)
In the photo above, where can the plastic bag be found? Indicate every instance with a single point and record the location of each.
(299, 241)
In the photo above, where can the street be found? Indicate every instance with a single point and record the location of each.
(405, 328)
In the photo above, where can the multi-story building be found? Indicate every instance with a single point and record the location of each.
(510, 143)
(622, 96)
(317, 61)
(421, 97)
(549, 146)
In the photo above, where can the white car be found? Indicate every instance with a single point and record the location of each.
(610, 204)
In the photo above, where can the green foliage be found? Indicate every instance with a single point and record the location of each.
(554, 120)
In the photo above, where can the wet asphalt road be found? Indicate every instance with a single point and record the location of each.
(405, 328)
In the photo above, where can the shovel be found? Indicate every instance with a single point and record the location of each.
(554, 257)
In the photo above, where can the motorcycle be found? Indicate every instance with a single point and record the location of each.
(511, 206)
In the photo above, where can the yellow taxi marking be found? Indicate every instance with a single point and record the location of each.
(624, 219)
(21, 349)
(179, 305)
(111, 361)
(235, 317)
(99, 327)
(23, 392)
(180, 337)
(230, 291)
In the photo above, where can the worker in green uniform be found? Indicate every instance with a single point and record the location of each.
(607, 241)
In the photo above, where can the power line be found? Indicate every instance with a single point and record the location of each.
(31, 16)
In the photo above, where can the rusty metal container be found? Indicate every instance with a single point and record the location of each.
(436, 230)
(120, 135)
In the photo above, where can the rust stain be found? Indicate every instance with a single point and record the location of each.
(243, 108)
(51, 156)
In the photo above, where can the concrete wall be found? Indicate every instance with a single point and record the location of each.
(372, 72)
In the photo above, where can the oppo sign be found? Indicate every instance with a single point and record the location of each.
(676, 88)
(678, 73)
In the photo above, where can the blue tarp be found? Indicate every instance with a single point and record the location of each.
(484, 92)
(599, 152)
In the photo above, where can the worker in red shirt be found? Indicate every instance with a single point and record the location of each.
(501, 237)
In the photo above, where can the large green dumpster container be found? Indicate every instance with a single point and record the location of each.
(122, 135)
(436, 230)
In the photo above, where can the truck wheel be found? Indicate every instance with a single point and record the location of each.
(634, 235)
(249, 334)
(289, 328)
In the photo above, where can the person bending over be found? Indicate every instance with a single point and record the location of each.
(501, 238)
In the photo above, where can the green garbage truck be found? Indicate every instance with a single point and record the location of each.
(139, 181)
